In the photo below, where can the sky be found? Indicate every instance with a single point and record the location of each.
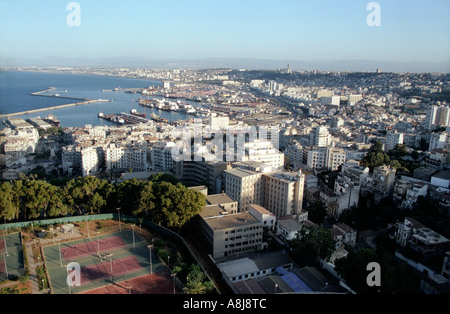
(412, 30)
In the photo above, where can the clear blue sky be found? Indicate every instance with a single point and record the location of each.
(193, 29)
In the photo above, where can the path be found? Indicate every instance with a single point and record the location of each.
(32, 267)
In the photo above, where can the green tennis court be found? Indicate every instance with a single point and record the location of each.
(11, 257)
(102, 260)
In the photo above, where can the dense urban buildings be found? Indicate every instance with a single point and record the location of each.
(370, 144)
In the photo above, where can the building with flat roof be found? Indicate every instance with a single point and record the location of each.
(229, 233)
(254, 266)
(263, 215)
(244, 186)
(283, 192)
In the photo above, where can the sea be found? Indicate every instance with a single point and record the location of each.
(16, 88)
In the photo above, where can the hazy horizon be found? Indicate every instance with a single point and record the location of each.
(236, 63)
(321, 34)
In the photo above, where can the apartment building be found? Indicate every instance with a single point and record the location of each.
(267, 218)
(392, 140)
(244, 186)
(320, 137)
(128, 156)
(227, 234)
(294, 151)
(325, 157)
(194, 173)
(381, 183)
(160, 157)
(283, 192)
(438, 141)
(263, 151)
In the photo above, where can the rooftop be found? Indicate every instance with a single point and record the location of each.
(261, 209)
(210, 211)
(445, 175)
(219, 199)
(232, 221)
(239, 172)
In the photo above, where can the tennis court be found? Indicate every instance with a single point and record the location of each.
(70, 252)
(11, 257)
(156, 283)
(102, 260)
(105, 270)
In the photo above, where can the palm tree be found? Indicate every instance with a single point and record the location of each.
(194, 287)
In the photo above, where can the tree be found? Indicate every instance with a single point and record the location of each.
(176, 204)
(88, 195)
(194, 287)
(312, 244)
(163, 177)
(375, 157)
(353, 269)
(146, 203)
(128, 195)
(8, 208)
(395, 277)
(195, 282)
(36, 197)
(317, 212)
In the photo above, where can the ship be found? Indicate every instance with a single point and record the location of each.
(146, 102)
(157, 118)
(139, 114)
(52, 120)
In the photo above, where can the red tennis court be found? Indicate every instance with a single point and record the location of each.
(91, 247)
(156, 283)
(103, 270)
(2, 245)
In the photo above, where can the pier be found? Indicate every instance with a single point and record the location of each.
(53, 107)
(81, 101)
(55, 95)
(124, 118)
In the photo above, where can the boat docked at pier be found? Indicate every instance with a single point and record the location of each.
(139, 114)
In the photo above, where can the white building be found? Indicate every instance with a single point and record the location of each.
(320, 137)
(438, 140)
(393, 139)
(430, 120)
(317, 158)
(263, 215)
(118, 156)
(332, 100)
(336, 157)
(244, 186)
(263, 151)
(441, 179)
(325, 157)
(161, 158)
(283, 192)
(294, 151)
(288, 227)
(219, 122)
(91, 160)
(353, 99)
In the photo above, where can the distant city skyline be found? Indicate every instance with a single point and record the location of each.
(413, 35)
